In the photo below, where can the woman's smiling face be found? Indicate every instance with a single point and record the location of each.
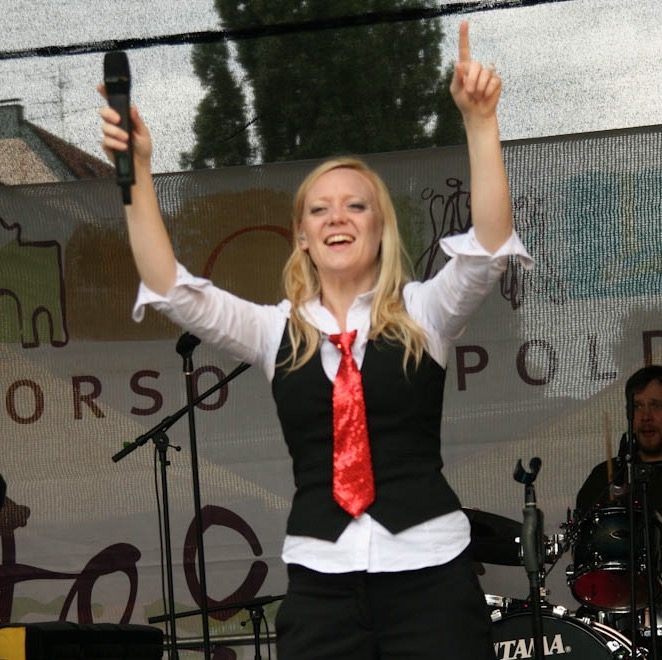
(341, 228)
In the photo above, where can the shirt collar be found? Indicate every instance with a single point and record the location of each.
(320, 317)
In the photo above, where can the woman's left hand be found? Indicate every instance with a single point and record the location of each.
(475, 88)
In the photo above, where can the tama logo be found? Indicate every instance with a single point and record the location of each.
(517, 649)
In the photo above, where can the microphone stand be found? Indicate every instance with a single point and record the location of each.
(532, 547)
(161, 442)
(257, 614)
(158, 436)
(629, 461)
(638, 479)
(254, 606)
(642, 477)
(255, 609)
(167, 422)
(631, 531)
(185, 346)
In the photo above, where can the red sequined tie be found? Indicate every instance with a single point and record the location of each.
(353, 481)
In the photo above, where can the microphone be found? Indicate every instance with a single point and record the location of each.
(185, 346)
(618, 486)
(117, 79)
(186, 343)
(623, 447)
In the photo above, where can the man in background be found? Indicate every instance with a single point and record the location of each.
(644, 389)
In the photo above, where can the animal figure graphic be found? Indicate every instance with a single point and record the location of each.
(31, 290)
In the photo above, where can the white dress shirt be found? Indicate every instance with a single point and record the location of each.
(252, 333)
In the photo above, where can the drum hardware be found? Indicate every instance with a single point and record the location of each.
(553, 548)
(497, 540)
(496, 615)
(559, 611)
(645, 624)
(502, 606)
(615, 620)
(574, 638)
(494, 538)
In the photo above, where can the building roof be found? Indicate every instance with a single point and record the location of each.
(20, 164)
(31, 154)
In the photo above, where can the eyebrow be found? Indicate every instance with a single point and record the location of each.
(650, 403)
(326, 198)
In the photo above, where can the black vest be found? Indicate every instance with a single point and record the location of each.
(404, 420)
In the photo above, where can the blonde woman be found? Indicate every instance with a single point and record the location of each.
(378, 571)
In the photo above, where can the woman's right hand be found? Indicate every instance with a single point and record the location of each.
(117, 139)
(148, 237)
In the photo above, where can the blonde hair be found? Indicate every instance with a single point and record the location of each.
(388, 317)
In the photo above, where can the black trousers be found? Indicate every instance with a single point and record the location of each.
(436, 613)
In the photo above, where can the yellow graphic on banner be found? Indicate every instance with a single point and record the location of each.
(12, 643)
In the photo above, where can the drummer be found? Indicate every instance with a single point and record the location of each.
(645, 388)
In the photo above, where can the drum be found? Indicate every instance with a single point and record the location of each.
(575, 639)
(599, 576)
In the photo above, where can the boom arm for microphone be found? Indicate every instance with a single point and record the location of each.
(117, 79)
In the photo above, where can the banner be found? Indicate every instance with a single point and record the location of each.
(539, 371)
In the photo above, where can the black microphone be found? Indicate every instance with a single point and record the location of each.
(117, 78)
(186, 343)
(623, 447)
(617, 487)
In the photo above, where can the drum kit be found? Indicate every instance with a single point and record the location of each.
(598, 577)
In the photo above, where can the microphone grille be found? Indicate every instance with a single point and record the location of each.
(116, 67)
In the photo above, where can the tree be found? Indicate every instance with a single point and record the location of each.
(219, 125)
(315, 93)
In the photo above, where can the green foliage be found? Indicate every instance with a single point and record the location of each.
(316, 93)
(219, 126)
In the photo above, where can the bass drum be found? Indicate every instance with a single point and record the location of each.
(576, 640)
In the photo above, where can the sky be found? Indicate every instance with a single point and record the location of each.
(58, 93)
(568, 67)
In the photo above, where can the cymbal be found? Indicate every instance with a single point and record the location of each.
(493, 538)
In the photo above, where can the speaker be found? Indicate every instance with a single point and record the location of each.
(63, 640)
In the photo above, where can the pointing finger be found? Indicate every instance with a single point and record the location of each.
(464, 52)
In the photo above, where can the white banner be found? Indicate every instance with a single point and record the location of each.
(539, 372)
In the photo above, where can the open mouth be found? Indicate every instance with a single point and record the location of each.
(339, 239)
